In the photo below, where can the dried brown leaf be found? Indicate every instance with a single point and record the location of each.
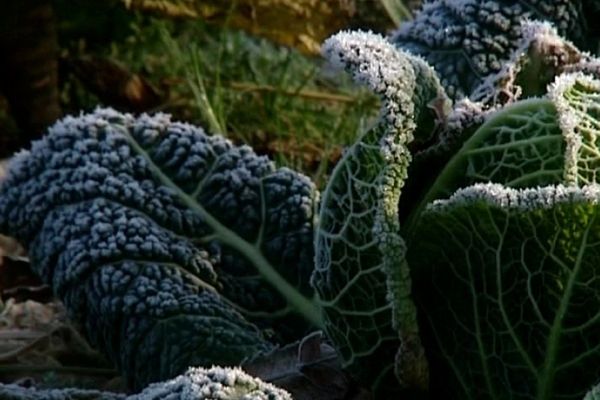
(36, 340)
(114, 84)
(309, 369)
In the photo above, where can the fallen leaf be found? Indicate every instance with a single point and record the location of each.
(309, 369)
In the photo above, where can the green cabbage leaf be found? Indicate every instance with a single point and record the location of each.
(360, 275)
(507, 283)
(169, 247)
(533, 142)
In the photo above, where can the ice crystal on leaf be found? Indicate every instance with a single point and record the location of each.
(469, 40)
(358, 246)
(456, 248)
(170, 247)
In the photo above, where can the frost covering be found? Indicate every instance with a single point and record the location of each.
(360, 273)
(215, 383)
(163, 242)
(469, 40)
(577, 98)
(174, 249)
(512, 295)
(533, 142)
(506, 279)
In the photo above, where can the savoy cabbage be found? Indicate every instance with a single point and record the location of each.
(454, 252)
(358, 246)
(469, 40)
(119, 214)
(214, 383)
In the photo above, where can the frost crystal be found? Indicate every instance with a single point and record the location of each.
(372, 61)
(359, 215)
(540, 55)
(527, 199)
(576, 97)
(143, 228)
(215, 383)
(468, 40)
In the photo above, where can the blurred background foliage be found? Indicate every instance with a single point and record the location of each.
(248, 69)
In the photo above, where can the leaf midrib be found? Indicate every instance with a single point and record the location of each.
(306, 307)
(443, 182)
(546, 381)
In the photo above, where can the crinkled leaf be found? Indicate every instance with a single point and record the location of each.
(533, 142)
(469, 40)
(577, 99)
(214, 383)
(507, 282)
(541, 55)
(163, 242)
(360, 274)
(520, 145)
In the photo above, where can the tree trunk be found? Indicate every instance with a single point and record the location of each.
(29, 68)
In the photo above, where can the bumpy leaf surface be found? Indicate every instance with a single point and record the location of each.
(216, 383)
(213, 384)
(541, 55)
(360, 274)
(468, 40)
(509, 289)
(162, 241)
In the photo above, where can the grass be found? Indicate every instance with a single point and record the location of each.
(282, 103)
